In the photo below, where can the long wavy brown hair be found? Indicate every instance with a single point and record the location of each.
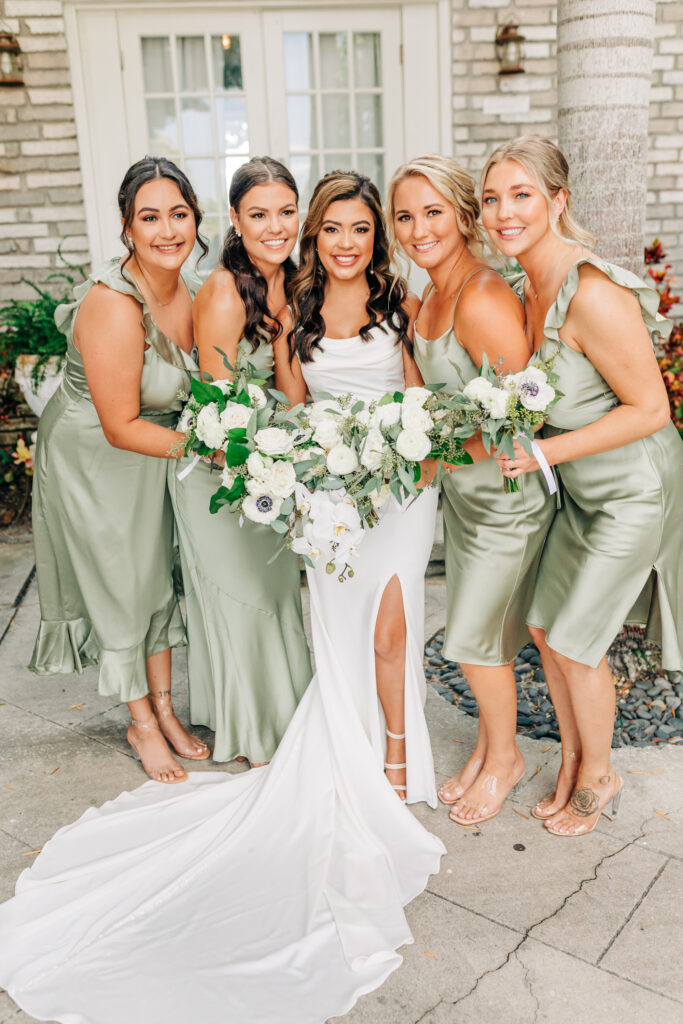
(261, 325)
(388, 291)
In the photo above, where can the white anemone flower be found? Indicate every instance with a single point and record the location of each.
(261, 508)
(533, 389)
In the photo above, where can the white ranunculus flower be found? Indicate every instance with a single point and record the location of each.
(414, 417)
(341, 459)
(496, 403)
(209, 428)
(261, 508)
(273, 441)
(416, 396)
(413, 445)
(259, 466)
(235, 415)
(318, 411)
(257, 395)
(508, 382)
(282, 479)
(327, 433)
(478, 389)
(363, 417)
(387, 415)
(187, 420)
(533, 389)
(373, 449)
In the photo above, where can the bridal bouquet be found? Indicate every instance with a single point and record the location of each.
(316, 474)
(511, 407)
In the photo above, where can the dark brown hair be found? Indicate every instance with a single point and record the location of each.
(250, 283)
(387, 290)
(149, 169)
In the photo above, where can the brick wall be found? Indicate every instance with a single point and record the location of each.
(40, 180)
(488, 109)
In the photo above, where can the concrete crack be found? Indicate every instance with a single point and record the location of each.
(530, 987)
(548, 917)
(629, 916)
(16, 604)
(430, 1010)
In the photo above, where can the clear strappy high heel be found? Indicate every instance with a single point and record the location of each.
(163, 710)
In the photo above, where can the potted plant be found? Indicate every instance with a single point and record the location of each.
(30, 341)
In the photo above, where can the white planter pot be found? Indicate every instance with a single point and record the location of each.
(51, 374)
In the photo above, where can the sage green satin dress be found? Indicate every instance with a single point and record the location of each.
(102, 517)
(248, 658)
(493, 539)
(613, 554)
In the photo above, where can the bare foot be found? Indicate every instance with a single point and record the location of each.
(487, 794)
(396, 754)
(587, 801)
(566, 780)
(453, 789)
(183, 742)
(150, 746)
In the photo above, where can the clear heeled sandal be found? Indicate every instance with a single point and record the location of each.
(163, 710)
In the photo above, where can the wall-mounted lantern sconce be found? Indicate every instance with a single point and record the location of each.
(510, 47)
(11, 65)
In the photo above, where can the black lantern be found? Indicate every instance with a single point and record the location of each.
(510, 48)
(11, 65)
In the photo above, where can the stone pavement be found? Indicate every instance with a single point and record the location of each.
(517, 928)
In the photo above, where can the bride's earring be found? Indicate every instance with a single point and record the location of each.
(131, 243)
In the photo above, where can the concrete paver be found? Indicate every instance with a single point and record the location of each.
(518, 926)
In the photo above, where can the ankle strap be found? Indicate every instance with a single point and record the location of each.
(396, 735)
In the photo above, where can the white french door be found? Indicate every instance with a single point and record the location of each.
(319, 88)
(194, 93)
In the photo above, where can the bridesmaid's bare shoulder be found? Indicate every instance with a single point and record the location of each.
(218, 300)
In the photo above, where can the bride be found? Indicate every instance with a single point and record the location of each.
(277, 894)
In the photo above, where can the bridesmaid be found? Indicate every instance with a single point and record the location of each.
(248, 658)
(493, 539)
(102, 520)
(616, 542)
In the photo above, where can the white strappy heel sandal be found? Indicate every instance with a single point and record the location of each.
(397, 767)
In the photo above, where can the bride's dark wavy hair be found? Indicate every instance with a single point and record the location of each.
(251, 285)
(387, 290)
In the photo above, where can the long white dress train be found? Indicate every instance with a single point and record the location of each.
(271, 897)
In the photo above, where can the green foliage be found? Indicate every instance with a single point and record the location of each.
(27, 326)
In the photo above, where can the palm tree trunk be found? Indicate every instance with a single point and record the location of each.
(604, 71)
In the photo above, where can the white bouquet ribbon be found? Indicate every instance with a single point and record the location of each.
(188, 469)
(543, 465)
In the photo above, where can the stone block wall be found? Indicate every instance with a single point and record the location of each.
(40, 179)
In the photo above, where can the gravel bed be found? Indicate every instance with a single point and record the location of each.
(648, 699)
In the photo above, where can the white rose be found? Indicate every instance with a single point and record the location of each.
(387, 415)
(235, 415)
(373, 450)
(341, 459)
(209, 428)
(478, 389)
(413, 445)
(282, 479)
(327, 433)
(533, 389)
(257, 395)
(363, 417)
(416, 396)
(273, 441)
(496, 403)
(258, 466)
(261, 508)
(318, 411)
(414, 417)
(223, 385)
(187, 420)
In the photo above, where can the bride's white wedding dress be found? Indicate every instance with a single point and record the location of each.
(271, 897)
